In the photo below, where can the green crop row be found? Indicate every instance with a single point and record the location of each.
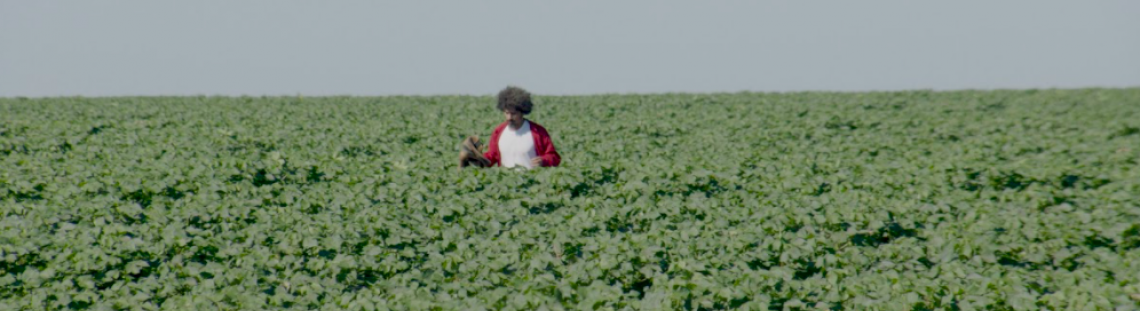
(965, 200)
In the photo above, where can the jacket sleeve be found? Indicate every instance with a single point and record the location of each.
(492, 153)
(547, 152)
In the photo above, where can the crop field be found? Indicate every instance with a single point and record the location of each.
(918, 200)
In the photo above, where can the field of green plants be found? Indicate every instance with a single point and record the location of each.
(919, 200)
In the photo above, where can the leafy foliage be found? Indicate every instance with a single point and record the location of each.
(994, 200)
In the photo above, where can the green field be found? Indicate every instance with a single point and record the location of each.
(920, 200)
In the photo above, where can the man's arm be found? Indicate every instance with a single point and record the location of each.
(546, 151)
(492, 153)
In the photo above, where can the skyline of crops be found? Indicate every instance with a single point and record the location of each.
(916, 200)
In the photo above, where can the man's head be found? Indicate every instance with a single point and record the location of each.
(515, 102)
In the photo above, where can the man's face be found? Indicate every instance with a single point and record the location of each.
(514, 118)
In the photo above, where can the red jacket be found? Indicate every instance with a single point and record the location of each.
(542, 145)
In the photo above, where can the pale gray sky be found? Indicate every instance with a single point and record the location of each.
(100, 48)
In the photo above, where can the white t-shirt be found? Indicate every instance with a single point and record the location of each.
(516, 146)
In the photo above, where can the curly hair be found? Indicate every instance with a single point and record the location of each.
(515, 98)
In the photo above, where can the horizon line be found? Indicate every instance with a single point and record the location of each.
(318, 95)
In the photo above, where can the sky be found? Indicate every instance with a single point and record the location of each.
(208, 47)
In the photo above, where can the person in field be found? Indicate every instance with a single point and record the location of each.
(519, 141)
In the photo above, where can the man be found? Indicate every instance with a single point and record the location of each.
(518, 141)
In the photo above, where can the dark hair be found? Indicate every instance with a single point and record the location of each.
(515, 98)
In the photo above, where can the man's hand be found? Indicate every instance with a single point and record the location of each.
(471, 153)
(536, 162)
